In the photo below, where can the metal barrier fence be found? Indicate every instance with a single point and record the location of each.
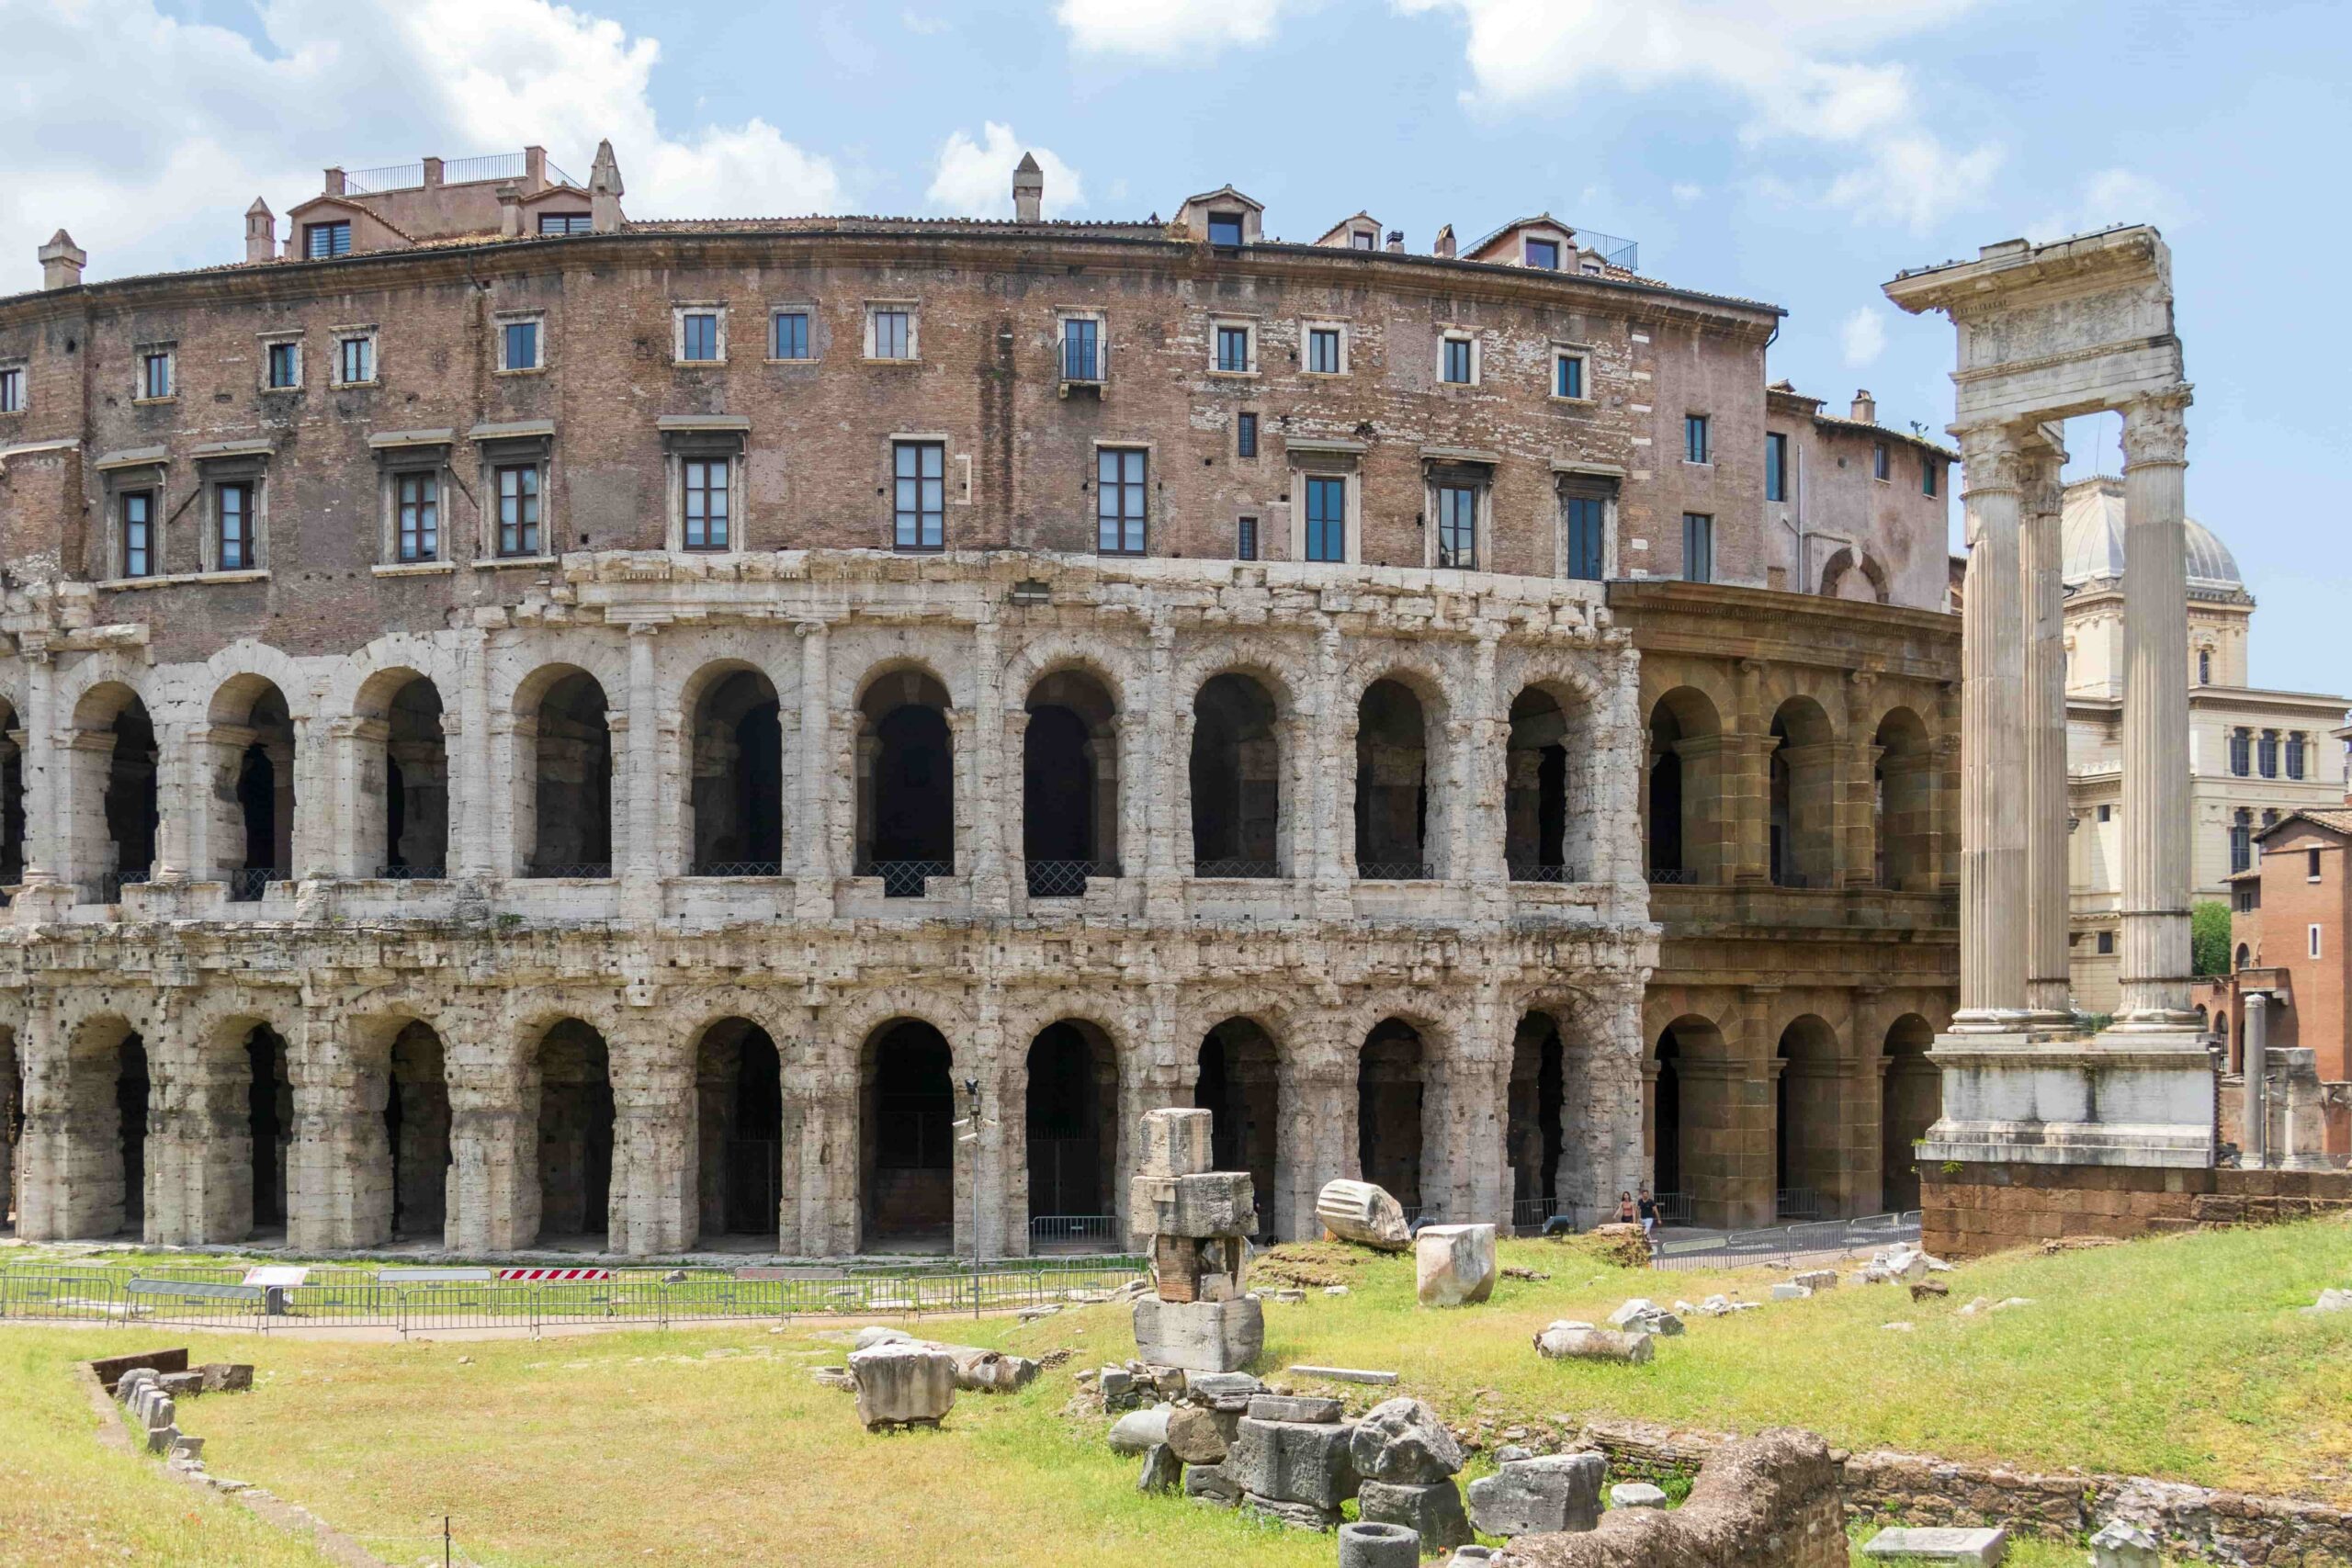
(196, 1296)
(1823, 1239)
(1533, 1216)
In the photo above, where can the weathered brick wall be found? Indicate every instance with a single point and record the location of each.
(1970, 1210)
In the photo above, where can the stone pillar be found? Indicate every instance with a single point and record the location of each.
(1163, 777)
(2256, 1112)
(1014, 787)
(199, 1147)
(2154, 967)
(1744, 784)
(2049, 993)
(1855, 772)
(1326, 786)
(982, 1158)
(1605, 1100)
(1319, 1122)
(812, 826)
(339, 1167)
(362, 786)
(637, 856)
(995, 790)
(821, 1143)
(45, 841)
(490, 1201)
(1993, 725)
(474, 800)
(1482, 763)
(51, 1204)
(652, 1207)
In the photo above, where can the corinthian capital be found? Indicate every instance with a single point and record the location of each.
(1992, 458)
(2155, 428)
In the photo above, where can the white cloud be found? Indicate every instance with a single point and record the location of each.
(341, 80)
(1862, 337)
(921, 25)
(1795, 66)
(973, 179)
(2109, 197)
(1685, 193)
(1162, 28)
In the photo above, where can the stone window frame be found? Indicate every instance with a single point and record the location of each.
(681, 444)
(1063, 316)
(682, 308)
(1705, 432)
(912, 310)
(1440, 474)
(957, 487)
(777, 311)
(274, 340)
(1883, 462)
(513, 451)
(215, 475)
(1220, 323)
(1324, 461)
(1588, 482)
(1308, 328)
(20, 369)
(139, 354)
(1257, 441)
(393, 463)
(151, 478)
(1446, 334)
(1707, 519)
(1582, 353)
(1152, 480)
(369, 332)
(502, 320)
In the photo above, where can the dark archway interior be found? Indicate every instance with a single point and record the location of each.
(1388, 1110)
(1536, 802)
(575, 1132)
(265, 796)
(1069, 785)
(1666, 792)
(907, 1108)
(1666, 1121)
(739, 1092)
(12, 811)
(737, 780)
(12, 1127)
(416, 782)
(574, 781)
(1911, 1099)
(1236, 779)
(1903, 811)
(907, 807)
(1805, 1148)
(1240, 1085)
(1072, 1111)
(416, 1129)
(130, 1090)
(270, 1124)
(1537, 1134)
(131, 794)
(1392, 803)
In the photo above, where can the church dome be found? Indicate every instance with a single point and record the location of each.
(2091, 529)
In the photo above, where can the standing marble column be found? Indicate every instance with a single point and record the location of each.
(1993, 946)
(640, 764)
(2254, 1137)
(812, 825)
(339, 1165)
(2049, 993)
(2155, 963)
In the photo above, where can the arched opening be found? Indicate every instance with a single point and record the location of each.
(12, 806)
(252, 735)
(1903, 803)
(2245, 956)
(130, 1097)
(907, 1139)
(1072, 1117)
(1388, 1112)
(1802, 850)
(572, 781)
(416, 784)
(1236, 779)
(416, 1132)
(1808, 1149)
(1665, 1133)
(905, 811)
(736, 789)
(1537, 1133)
(12, 1128)
(1069, 785)
(269, 1129)
(1685, 833)
(739, 1146)
(1240, 1085)
(1708, 1164)
(1392, 805)
(1535, 800)
(106, 1098)
(113, 767)
(1911, 1098)
(575, 1084)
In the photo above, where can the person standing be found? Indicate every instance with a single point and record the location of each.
(1647, 1208)
(1626, 1208)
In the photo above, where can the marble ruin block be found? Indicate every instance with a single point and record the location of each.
(1539, 1496)
(1215, 1337)
(1582, 1342)
(1362, 1213)
(902, 1384)
(1454, 1264)
(1217, 1203)
(1432, 1509)
(1292, 1461)
(1175, 1142)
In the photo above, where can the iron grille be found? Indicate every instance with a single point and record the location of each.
(905, 879)
(1098, 1232)
(248, 883)
(1528, 871)
(1393, 870)
(584, 871)
(1065, 878)
(1237, 868)
(1674, 876)
(1796, 1203)
(738, 868)
(412, 872)
(111, 885)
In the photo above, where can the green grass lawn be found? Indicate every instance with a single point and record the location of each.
(2181, 1358)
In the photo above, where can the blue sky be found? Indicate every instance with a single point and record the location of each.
(1797, 150)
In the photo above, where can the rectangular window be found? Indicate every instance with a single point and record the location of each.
(1587, 522)
(1694, 438)
(1545, 255)
(2107, 813)
(155, 374)
(518, 509)
(2241, 753)
(1245, 540)
(520, 347)
(1225, 230)
(1323, 351)
(707, 504)
(322, 239)
(285, 366)
(894, 334)
(1697, 547)
(2314, 941)
(1119, 501)
(1233, 348)
(1927, 476)
(234, 519)
(139, 532)
(418, 504)
(2295, 755)
(1453, 368)
(1245, 435)
(1457, 527)
(919, 509)
(1567, 376)
(1880, 459)
(2267, 754)
(698, 336)
(566, 223)
(356, 361)
(12, 390)
(2106, 944)
(1363, 240)
(1776, 466)
(1082, 345)
(791, 336)
(1327, 518)
(2311, 865)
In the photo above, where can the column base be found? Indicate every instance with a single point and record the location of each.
(2146, 1098)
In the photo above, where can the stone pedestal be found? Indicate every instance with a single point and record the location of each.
(1208, 1337)
(2137, 1099)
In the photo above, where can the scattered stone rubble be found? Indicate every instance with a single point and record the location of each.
(1199, 1221)
(1964, 1547)
(1642, 1315)
(1533, 1495)
(151, 1395)
(2124, 1545)
(2330, 1300)
(1767, 1502)
(1565, 1340)
(1406, 1459)
(1298, 1472)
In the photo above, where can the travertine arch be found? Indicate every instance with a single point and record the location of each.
(853, 683)
(1847, 560)
(1271, 662)
(1033, 661)
(517, 684)
(234, 677)
(949, 1009)
(1691, 689)
(363, 682)
(96, 693)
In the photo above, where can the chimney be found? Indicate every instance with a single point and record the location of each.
(261, 232)
(1865, 407)
(1028, 190)
(1397, 241)
(510, 210)
(334, 183)
(1444, 245)
(432, 172)
(61, 262)
(534, 169)
(604, 191)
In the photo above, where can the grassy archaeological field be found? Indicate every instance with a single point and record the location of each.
(2181, 1358)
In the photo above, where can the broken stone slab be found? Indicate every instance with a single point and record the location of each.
(1209, 1336)
(1470, 1557)
(1379, 1543)
(1213, 1203)
(1224, 1391)
(1642, 1315)
(1140, 1429)
(1539, 1496)
(1565, 1341)
(1817, 1278)
(1454, 1264)
(1402, 1442)
(1979, 1304)
(876, 1334)
(186, 1446)
(1970, 1547)
(1928, 1290)
(1298, 1515)
(1210, 1483)
(161, 1411)
(1343, 1374)
(2121, 1544)
(1292, 1461)
(1790, 1291)
(903, 1384)
(160, 1439)
(1364, 1214)
(228, 1377)
(982, 1371)
(1163, 1471)
(2008, 1302)
(1200, 1435)
(1636, 1495)
(2330, 1300)
(1301, 1408)
(1175, 1142)
(1292, 1297)
(181, 1385)
(1431, 1510)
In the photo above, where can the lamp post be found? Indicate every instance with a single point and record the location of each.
(969, 1133)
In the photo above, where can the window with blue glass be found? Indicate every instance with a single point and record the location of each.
(1544, 254)
(1587, 517)
(1119, 501)
(232, 512)
(1880, 460)
(1453, 366)
(791, 336)
(519, 347)
(1776, 466)
(1697, 547)
(2242, 843)
(1694, 438)
(1927, 476)
(2295, 755)
(1245, 435)
(1323, 351)
(566, 223)
(1457, 527)
(705, 493)
(1327, 518)
(322, 239)
(139, 532)
(918, 473)
(1245, 539)
(1233, 348)
(518, 509)
(1081, 349)
(2267, 754)
(698, 336)
(2241, 752)
(1567, 376)
(285, 365)
(894, 334)
(155, 374)
(417, 500)
(1225, 230)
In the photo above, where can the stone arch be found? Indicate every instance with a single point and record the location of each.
(906, 798)
(1401, 766)
(1069, 781)
(109, 1107)
(1701, 1165)
(1551, 783)
(1855, 574)
(1393, 1065)
(569, 1100)
(1802, 838)
(1238, 1078)
(401, 797)
(113, 795)
(907, 1107)
(1904, 801)
(250, 794)
(1070, 1118)
(1689, 834)
(1535, 1129)
(735, 773)
(1809, 1132)
(565, 802)
(1241, 812)
(738, 1104)
(1910, 1098)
